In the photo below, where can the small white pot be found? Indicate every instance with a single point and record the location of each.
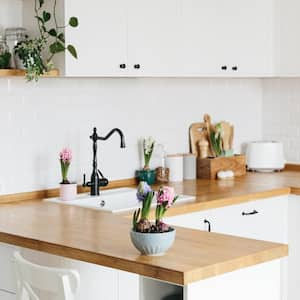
(68, 191)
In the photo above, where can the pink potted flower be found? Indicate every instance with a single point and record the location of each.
(153, 238)
(68, 190)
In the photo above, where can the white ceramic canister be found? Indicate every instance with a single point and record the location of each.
(175, 164)
(189, 166)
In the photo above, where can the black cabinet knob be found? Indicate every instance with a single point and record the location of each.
(234, 68)
(122, 66)
(137, 66)
(224, 68)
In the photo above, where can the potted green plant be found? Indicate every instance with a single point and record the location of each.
(36, 53)
(153, 238)
(146, 174)
(68, 190)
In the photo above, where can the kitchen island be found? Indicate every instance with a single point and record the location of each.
(197, 262)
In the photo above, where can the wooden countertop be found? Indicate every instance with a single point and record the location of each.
(103, 238)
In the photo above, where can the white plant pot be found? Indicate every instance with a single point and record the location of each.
(68, 191)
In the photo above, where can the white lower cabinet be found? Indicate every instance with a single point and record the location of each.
(96, 282)
(264, 219)
(294, 248)
(197, 220)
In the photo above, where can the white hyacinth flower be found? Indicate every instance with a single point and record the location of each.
(148, 145)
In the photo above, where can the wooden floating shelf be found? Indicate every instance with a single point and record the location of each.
(19, 72)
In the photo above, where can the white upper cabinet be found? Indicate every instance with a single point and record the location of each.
(171, 38)
(202, 39)
(154, 38)
(100, 38)
(287, 35)
(227, 38)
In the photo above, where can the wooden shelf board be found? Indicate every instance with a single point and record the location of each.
(19, 72)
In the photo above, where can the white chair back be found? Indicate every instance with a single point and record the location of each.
(61, 284)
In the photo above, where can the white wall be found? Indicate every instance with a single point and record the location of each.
(37, 120)
(281, 114)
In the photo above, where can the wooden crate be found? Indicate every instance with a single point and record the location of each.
(208, 168)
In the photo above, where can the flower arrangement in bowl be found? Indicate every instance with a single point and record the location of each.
(146, 174)
(68, 190)
(153, 238)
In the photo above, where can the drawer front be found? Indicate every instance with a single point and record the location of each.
(261, 219)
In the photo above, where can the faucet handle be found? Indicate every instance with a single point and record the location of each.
(84, 184)
(102, 180)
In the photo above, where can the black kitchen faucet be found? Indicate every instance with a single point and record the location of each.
(97, 178)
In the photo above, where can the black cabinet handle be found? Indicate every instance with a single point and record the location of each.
(122, 66)
(234, 68)
(209, 225)
(224, 68)
(254, 212)
(137, 66)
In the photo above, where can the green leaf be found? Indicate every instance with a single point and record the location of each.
(56, 47)
(73, 22)
(40, 19)
(46, 16)
(41, 2)
(52, 32)
(72, 50)
(61, 37)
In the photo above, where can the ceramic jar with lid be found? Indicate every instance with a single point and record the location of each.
(4, 54)
(13, 36)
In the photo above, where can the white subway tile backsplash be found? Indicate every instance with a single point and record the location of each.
(281, 121)
(38, 119)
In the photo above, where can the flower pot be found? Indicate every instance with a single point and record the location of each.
(147, 175)
(153, 244)
(68, 191)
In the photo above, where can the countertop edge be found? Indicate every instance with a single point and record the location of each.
(277, 252)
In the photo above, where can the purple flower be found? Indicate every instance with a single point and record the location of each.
(143, 190)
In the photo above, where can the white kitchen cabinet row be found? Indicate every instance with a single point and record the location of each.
(171, 38)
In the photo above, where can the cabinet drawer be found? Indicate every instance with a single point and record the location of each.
(7, 272)
(261, 219)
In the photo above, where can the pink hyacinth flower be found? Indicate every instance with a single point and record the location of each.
(165, 195)
(66, 155)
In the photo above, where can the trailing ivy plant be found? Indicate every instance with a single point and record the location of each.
(51, 41)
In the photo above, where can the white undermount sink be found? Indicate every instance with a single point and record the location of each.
(115, 200)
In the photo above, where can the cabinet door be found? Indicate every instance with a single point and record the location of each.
(203, 43)
(154, 38)
(198, 220)
(262, 219)
(7, 272)
(248, 28)
(227, 38)
(100, 38)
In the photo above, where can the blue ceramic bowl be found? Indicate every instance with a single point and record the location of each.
(153, 244)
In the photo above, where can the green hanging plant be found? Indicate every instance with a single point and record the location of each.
(51, 41)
